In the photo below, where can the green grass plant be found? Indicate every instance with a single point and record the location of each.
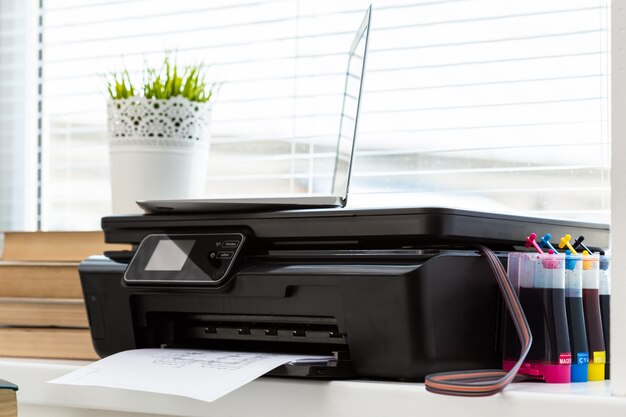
(171, 80)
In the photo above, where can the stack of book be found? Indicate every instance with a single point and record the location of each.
(42, 313)
(8, 399)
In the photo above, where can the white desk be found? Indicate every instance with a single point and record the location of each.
(273, 397)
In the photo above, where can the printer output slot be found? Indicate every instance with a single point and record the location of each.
(261, 329)
(320, 334)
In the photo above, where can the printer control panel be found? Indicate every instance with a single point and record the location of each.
(203, 259)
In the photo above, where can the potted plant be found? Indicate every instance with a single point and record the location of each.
(159, 134)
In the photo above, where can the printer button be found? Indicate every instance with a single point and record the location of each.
(231, 244)
(96, 316)
(214, 261)
(225, 255)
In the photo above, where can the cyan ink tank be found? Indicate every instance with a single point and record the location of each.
(604, 291)
(593, 320)
(542, 296)
(576, 316)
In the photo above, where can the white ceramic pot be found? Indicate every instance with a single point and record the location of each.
(158, 149)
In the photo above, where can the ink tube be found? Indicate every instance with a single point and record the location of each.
(591, 307)
(604, 291)
(576, 317)
(542, 296)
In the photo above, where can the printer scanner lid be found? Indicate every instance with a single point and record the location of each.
(432, 225)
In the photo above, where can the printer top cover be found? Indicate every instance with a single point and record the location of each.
(427, 225)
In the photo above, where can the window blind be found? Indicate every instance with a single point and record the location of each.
(480, 104)
(18, 52)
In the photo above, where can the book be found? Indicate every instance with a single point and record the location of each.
(54, 246)
(8, 399)
(43, 312)
(46, 343)
(39, 279)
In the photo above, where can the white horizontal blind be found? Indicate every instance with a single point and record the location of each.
(498, 106)
(18, 123)
(480, 104)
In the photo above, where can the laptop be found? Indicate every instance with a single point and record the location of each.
(343, 161)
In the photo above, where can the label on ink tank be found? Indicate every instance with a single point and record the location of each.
(582, 358)
(599, 357)
(565, 359)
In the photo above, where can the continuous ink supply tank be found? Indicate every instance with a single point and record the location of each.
(542, 296)
(605, 307)
(591, 304)
(576, 317)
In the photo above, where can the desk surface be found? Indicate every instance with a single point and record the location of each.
(274, 397)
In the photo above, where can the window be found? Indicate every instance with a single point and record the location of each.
(484, 104)
(18, 104)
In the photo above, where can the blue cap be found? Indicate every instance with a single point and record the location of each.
(545, 242)
(570, 261)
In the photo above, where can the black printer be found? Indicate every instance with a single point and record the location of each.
(388, 293)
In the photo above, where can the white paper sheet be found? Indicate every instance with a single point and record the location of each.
(201, 374)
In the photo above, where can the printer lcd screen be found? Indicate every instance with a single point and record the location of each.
(170, 255)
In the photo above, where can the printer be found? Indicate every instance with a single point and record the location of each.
(394, 293)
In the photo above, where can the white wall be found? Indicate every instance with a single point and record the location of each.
(618, 197)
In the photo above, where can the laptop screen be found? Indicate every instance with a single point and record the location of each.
(348, 122)
(344, 155)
